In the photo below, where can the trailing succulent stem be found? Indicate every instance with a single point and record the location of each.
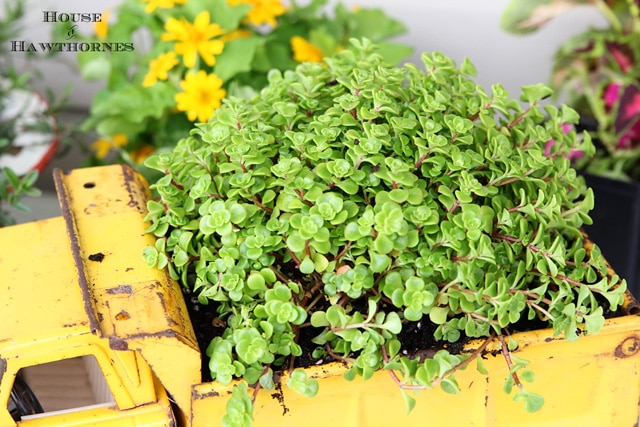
(355, 201)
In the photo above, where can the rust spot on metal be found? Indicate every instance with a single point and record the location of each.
(3, 368)
(129, 178)
(65, 200)
(164, 306)
(116, 343)
(198, 396)
(629, 347)
(129, 269)
(123, 315)
(72, 325)
(98, 257)
(122, 289)
(89, 185)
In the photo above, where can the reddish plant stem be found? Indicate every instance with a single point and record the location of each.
(519, 118)
(512, 179)
(507, 357)
(293, 257)
(258, 386)
(279, 275)
(178, 186)
(259, 204)
(422, 159)
(301, 195)
(343, 251)
(529, 246)
(336, 356)
(454, 207)
(477, 352)
(530, 295)
(307, 248)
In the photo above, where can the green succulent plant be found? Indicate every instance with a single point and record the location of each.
(355, 199)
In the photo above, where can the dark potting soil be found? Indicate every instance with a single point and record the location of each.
(417, 337)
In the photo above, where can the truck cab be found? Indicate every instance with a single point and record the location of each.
(76, 287)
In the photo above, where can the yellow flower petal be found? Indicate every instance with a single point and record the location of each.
(101, 27)
(162, 4)
(102, 146)
(159, 68)
(304, 51)
(193, 39)
(236, 34)
(202, 94)
(142, 153)
(263, 11)
(119, 140)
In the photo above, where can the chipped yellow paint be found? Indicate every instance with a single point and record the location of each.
(133, 306)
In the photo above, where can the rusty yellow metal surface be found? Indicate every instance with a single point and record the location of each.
(77, 285)
(136, 307)
(592, 382)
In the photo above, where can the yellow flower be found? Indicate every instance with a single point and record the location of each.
(162, 4)
(202, 95)
(303, 51)
(101, 27)
(236, 34)
(195, 38)
(141, 153)
(102, 146)
(159, 67)
(263, 11)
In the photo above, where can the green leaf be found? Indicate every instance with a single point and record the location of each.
(594, 321)
(438, 315)
(534, 93)
(532, 402)
(450, 386)
(379, 262)
(94, 66)
(392, 323)
(409, 402)
(480, 366)
(236, 57)
(221, 13)
(296, 243)
(319, 319)
(307, 266)
(300, 383)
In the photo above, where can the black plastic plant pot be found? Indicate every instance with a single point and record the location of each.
(616, 226)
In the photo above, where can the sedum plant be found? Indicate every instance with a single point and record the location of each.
(353, 201)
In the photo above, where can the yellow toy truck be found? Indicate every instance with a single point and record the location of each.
(76, 286)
